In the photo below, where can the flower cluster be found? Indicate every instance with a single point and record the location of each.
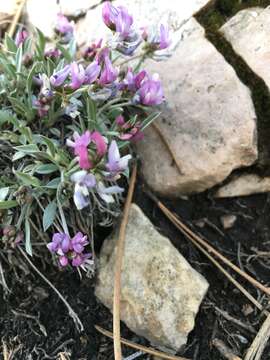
(67, 124)
(70, 250)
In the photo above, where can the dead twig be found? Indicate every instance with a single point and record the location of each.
(224, 350)
(16, 18)
(185, 229)
(238, 322)
(118, 266)
(259, 343)
(147, 350)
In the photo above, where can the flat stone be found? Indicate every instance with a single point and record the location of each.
(249, 34)
(208, 121)
(173, 13)
(244, 185)
(160, 292)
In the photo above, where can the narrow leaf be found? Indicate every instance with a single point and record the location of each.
(49, 215)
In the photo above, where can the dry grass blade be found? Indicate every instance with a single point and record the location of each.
(118, 266)
(145, 349)
(224, 350)
(178, 224)
(16, 18)
(168, 146)
(185, 229)
(258, 345)
(6, 354)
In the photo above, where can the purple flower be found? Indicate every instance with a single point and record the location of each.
(106, 193)
(58, 78)
(116, 164)
(109, 15)
(77, 75)
(83, 182)
(80, 259)
(21, 36)
(123, 22)
(91, 51)
(63, 26)
(150, 92)
(52, 53)
(92, 72)
(60, 243)
(133, 82)
(70, 250)
(117, 19)
(109, 73)
(157, 40)
(164, 39)
(80, 146)
(78, 242)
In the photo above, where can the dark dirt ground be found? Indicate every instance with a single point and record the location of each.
(34, 323)
(32, 310)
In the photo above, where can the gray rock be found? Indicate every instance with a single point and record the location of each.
(244, 185)
(76, 7)
(208, 120)
(174, 13)
(160, 291)
(253, 49)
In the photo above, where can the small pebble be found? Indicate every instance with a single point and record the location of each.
(228, 221)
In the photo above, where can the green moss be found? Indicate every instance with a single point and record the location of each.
(212, 19)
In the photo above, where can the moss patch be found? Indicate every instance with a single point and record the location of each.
(212, 19)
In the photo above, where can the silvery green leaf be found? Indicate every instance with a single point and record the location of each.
(49, 215)
(27, 179)
(27, 149)
(18, 155)
(53, 184)
(27, 231)
(18, 59)
(4, 193)
(46, 168)
(8, 204)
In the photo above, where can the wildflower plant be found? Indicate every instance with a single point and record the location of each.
(66, 126)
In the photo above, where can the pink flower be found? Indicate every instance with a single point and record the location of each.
(80, 146)
(100, 143)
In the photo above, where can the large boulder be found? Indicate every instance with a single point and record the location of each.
(208, 121)
(160, 292)
(248, 33)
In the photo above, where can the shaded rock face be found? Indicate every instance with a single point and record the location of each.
(160, 292)
(208, 121)
(248, 32)
(150, 12)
